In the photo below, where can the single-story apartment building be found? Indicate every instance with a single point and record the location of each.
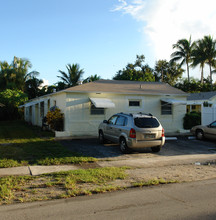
(86, 106)
(195, 101)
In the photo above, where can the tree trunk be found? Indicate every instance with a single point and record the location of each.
(210, 76)
(188, 72)
(202, 75)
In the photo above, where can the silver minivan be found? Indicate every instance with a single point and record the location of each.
(133, 131)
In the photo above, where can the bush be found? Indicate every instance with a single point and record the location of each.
(55, 119)
(191, 119)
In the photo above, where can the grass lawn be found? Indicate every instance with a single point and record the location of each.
(59, 185)
(21, 144)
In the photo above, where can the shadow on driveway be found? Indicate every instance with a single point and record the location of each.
(181, 146)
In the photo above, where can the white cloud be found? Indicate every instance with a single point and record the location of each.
(45, 83)
(166, 21)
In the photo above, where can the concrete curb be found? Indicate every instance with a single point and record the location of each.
(134, 163)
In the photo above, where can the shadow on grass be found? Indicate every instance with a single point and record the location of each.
(38, 152)
(21, 144)
(19, 129)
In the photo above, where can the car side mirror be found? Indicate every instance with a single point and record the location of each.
(105, 121)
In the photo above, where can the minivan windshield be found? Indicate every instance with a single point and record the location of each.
(146, 122)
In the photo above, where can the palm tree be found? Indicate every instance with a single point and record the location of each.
(73, 76)
(199, 56)
(161, 68)
(210, 51)
(183, 53)
(91, 78)
(20, 68)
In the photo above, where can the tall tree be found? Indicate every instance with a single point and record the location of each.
(210, 51)
(73, 75)
(32, 87)
(199, 57)
(139, 71)
(14, 75)
(183, 53)
(167, 72)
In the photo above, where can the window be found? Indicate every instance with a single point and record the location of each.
(112, 120)
(213, 125)
(134, 103)
(121, 121)
(193, 107)
(146, 122)
(166, 108)
(96, 111)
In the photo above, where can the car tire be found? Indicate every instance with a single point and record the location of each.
(156, 149)
(123, 146)
(199, 135)
(101, 137)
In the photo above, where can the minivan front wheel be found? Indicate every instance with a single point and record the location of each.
(101, 137)
(123, 146)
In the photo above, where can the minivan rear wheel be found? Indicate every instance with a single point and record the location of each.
(123, 146)
(156, 149)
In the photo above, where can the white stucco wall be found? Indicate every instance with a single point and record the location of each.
(79, 121)
(33, 113)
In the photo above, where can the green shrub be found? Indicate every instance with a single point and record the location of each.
(55, 119)
(191, 119)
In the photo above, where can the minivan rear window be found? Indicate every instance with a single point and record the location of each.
(146, 122)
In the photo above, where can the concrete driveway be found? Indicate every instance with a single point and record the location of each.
(181, 146)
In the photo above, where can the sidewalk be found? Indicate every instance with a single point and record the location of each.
(134, 163)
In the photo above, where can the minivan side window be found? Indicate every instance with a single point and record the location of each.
(112, 120)
(121, 121)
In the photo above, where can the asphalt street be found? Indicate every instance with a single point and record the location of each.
(195, 200)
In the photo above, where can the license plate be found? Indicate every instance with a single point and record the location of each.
(149, 135)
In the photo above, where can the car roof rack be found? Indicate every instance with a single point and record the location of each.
(141, 113)
(149, 114)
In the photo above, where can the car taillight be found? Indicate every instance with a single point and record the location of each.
(162, 135)
(132, 133)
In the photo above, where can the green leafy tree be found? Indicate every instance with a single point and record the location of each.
(14, 75)
(73, 75)
(167, 72)
(183, 53)
(33, 87)
(139, 71)
(195, 85)
(11, 100)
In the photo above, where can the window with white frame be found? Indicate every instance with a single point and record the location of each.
(134, 103)
(166, 108)
(96, 111)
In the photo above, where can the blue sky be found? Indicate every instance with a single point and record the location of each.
(102, 36)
